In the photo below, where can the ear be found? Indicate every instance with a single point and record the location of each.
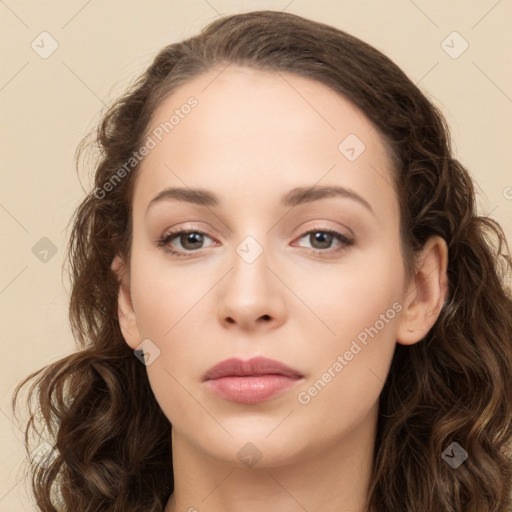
(126, 313)
(426, 293)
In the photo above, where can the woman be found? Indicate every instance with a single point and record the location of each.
(283, 295)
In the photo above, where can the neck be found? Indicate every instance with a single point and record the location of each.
(332, 476)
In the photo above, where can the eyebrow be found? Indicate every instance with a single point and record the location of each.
(292, 198)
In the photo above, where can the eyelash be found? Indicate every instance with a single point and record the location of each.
(167, 238)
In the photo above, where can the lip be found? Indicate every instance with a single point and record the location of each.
(250, 381)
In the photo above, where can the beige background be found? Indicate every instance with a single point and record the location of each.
(48, 105)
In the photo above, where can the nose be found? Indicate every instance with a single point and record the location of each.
(252, 296)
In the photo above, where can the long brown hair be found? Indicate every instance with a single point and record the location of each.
(112, 442)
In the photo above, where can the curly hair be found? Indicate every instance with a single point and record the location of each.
(112, 447)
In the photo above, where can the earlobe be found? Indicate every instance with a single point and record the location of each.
(426, 294)
(126, 312)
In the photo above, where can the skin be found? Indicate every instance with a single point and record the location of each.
(252, 137)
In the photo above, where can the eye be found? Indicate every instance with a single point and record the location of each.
(321, 241)
(190, 241)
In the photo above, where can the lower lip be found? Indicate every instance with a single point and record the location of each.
(251, 389)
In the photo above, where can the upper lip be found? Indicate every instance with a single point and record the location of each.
(256, 366)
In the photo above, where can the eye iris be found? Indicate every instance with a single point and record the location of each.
(196, 238)
(322, 237)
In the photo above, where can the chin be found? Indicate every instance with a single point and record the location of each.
(256, 447)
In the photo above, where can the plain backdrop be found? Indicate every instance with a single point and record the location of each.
(62, 61)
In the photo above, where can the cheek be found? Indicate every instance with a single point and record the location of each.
(173, 309)
(167, 305)
(362, 291)
(361, 307)
(161, 294)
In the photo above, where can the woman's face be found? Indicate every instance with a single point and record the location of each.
(264, 276)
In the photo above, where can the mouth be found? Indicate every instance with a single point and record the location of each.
(251, 381)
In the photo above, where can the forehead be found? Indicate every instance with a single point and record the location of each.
(258, 134)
